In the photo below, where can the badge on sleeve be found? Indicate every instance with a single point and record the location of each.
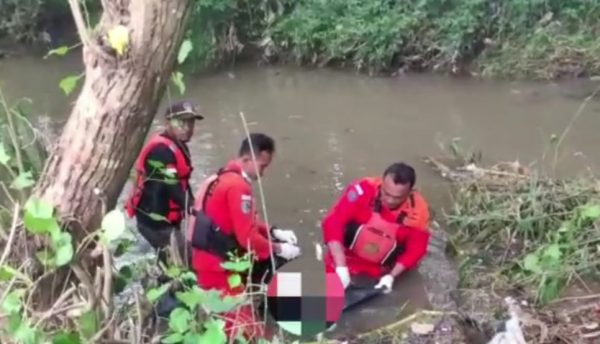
(246, 204)
(352, 195)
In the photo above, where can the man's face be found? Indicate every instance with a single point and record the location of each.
(182, 129)
(392, 194)
(263, 160)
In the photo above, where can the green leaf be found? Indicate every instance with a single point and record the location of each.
(184, 51)
(191, 298)
(591, 211)
(12, 303)
(7, 273)
(213, 302)
(113, 224)
(177, 78)
(66, 338)
(179, 320)
(155, 293)
(215, 333)
(46, 258)
(192, 338)
(240, 266)
(173, 338)
(39, 209)
(188, 276)
(157, 217)
(4, 157)
(23, 181)
(532, 263)
(68, 83)
(60, 51)
(88, 324)
(234, 280)
(64, 249)
(118, 38)
(553, 251)
(158, 165)
(173, 271)
(123, 246)
(39, 217)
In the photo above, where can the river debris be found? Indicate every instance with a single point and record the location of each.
(528, 237)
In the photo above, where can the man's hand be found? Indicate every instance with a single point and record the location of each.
(344, 274)
(287, 251)
(285, 235)
(386, 283)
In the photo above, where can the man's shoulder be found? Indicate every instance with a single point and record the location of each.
(419, 199)
(361, 188)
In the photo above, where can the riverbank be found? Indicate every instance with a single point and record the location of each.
(513, 39)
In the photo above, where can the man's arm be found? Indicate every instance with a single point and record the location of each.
(247, 230)
(417, 225)
(338, 217)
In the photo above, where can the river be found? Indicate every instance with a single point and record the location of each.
(331, 127)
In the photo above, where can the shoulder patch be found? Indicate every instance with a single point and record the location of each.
(246, 204)
(355, 192)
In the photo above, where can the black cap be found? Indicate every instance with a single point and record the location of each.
(183, 110)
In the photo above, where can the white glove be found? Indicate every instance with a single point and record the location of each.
(286, 235)
(344, 274)
(289, 251)
(385, 282)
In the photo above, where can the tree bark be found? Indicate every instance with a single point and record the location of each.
(90, 163)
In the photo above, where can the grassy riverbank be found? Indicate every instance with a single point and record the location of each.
(540, 39)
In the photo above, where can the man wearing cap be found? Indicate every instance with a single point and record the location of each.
(161, 195)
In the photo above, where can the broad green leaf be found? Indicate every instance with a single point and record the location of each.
(155, 293)
(532, 263)
(173, 271)
(591, 211)
(23, 181)
(192, 338)
(553, 251)
(215, 333)
(177, 78)
(64, 249)
(13, 302)
(173, 338)
(68, 84)
(25, 334)
(234, 280)
(188, 276)
(39, 217)
(157, 217)
(158, 165)
(113, 224)
(66, 338)
(240, 266)
(4, 157)
(118, 38)
(184, 51)
(213, 302)
(191, 298)
(179, 320)
(60, 51)
(88, 325)
(39, 209)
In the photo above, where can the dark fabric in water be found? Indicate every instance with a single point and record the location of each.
(357, 295)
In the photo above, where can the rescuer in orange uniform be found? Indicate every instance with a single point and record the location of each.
(225, 220)
(161, 194)
(378, 227)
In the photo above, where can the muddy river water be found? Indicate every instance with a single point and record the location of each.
(331, 127)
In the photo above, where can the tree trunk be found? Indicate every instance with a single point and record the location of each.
(91, 161)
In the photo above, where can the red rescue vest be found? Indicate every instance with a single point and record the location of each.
(202, 233)
(184, 170)
(376, 240)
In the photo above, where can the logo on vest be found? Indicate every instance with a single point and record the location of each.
(246, 204)
(371, 249)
